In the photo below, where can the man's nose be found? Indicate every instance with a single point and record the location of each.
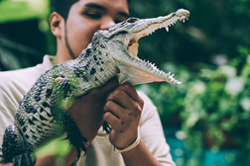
(107, 23)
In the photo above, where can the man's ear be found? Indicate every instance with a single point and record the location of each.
(56, 24)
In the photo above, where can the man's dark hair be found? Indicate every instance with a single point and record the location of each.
(62, 7)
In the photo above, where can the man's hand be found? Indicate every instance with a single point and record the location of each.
(123, 111)
(87, 110)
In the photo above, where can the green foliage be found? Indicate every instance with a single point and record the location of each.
(217, 104)
(11, 10)
(24, 33)
(213, 104)
(59, 148)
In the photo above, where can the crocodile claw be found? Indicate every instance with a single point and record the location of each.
(74, 135)
(106, 127)
(77, 140)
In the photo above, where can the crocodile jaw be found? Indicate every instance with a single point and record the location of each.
(145, 71)
(149, 26)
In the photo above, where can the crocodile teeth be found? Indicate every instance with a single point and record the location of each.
(160, 25)
(126, 41)
(167, 29)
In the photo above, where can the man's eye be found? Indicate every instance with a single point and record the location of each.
(118, 21)
(93, 15)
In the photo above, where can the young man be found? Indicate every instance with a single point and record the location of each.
(73, 24)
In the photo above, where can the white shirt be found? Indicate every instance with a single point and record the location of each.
(13, 86)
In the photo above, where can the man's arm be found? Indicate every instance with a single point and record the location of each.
(140, 155)
(123, 112)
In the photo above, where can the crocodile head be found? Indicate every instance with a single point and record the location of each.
(125, 35)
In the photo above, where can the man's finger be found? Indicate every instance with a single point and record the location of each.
(116, 109)
(112, 120)
(124, 100)
(130, 90)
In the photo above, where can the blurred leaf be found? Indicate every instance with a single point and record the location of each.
(18, 10)
(59, 148)
(8, 62)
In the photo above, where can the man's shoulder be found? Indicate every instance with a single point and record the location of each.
(23, 77)
(142, 95)
(20, 75)
(149, 112)
(16, 72)
(30, 72)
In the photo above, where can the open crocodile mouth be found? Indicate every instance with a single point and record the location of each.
(130, 40)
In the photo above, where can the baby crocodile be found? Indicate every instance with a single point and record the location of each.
(111, 52)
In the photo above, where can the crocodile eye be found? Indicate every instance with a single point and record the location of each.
(132, 20)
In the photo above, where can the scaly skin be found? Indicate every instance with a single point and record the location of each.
(43, 107)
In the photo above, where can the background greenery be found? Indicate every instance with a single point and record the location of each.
(210, 111)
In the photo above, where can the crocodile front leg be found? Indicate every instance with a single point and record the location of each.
(63, 87)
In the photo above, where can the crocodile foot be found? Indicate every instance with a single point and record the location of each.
(77, 140)
(74, 134)
(25, 159)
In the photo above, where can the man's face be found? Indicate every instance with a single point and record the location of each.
(88, 16)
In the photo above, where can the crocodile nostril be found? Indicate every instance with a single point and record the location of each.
(131, 42)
